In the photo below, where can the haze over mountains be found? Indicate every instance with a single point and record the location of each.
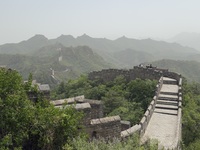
(69, 57)
(105, 47)
(188, 69)
(187, 39)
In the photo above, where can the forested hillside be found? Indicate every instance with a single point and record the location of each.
(191, 116)
(65, 62)
(188, 69)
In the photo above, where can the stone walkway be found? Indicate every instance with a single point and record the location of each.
(163, 123)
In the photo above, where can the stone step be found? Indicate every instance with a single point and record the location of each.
(168, 97)
(169, 89)
(162, 106)
(166, 102)
(169, 81)
(168, 93)
(166, 111)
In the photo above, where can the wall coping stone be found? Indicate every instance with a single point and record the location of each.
(82, 106)
(91, 101)
(130, 131)
(68, 100)
(105, 120)
(125, 122)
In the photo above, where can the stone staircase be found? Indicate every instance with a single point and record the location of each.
(167, 102)
(163, 123)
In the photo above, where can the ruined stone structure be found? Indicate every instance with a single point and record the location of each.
(125, 125)
(44, 91)
(94, 123)
(108, 127)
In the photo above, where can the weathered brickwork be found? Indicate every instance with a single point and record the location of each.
(107, 128)
(136, 72)
(96, 108)
(125, 125)
(86, 109)
(152, 73)
(93, 121)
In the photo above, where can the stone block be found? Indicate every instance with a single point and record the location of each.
(125, 125)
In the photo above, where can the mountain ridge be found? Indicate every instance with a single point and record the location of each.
(107, 49)
(66, 63)
(190, 39)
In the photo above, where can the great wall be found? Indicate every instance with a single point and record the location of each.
(161, 121)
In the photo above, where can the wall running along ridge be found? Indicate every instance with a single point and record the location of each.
(113, 127)
(152, 73)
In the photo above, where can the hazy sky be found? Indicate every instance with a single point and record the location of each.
(22, 19)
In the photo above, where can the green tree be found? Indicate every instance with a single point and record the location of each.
(96, 92)
(25, 125)
(141, 91)
(14, 109)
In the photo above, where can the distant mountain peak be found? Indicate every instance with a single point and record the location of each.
(122, 38)
(190, 39)
(62, 36)
(38, 37)
(84, 36)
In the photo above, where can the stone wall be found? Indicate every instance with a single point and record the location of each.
(172, 75)
(141, 127)
(177, 142)
(96, 105)
(86, 109)
(72, 100)
(110, 127)
(96, 108)
(125, 125)
(107, 128)
(130, 131)
(131, 74)
(43, 91)
(93, 122)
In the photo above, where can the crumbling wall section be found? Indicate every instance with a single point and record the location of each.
(107, 128)
(96, 108)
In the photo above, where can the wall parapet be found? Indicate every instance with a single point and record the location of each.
(177, 142)
(71, 100)
(105, 120)
(107, 128)
(82, 106)
(107, 75)
(141, 127)
(148, 114)
(134, 129)
(125, 125)
(174, 76)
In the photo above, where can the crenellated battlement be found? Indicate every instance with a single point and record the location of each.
(148, 72)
